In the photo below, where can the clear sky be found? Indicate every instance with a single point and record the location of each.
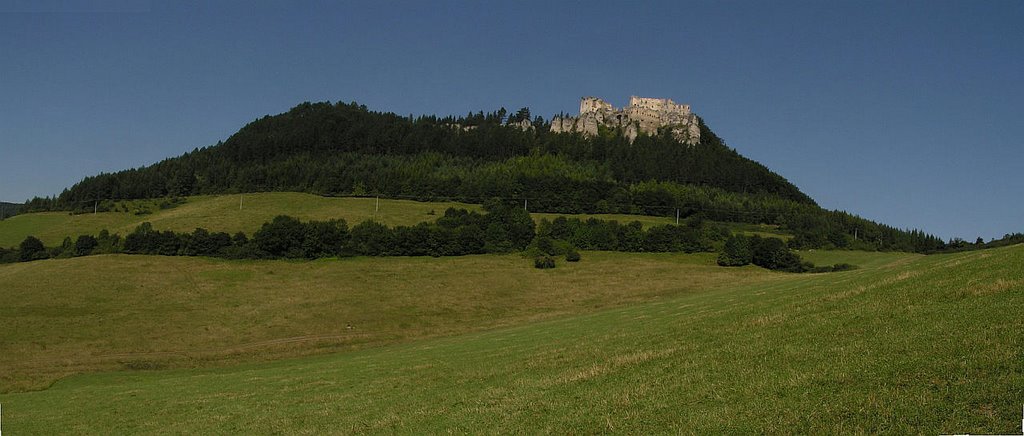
(902, 112)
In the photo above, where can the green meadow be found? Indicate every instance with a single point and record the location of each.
(222, 214)
(619, 343)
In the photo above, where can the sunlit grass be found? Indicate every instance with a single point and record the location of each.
(912, 344)
(129, 311)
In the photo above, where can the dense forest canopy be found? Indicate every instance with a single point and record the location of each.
(9, 209)
(346, 149)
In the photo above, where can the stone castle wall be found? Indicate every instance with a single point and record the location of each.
(641, 116)
(594, 104)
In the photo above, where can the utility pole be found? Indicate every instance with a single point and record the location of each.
(240, 201)
(524, 205)
(677, 216)
(376, 205)
(95, 206)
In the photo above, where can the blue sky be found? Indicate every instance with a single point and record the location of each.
(902, 112)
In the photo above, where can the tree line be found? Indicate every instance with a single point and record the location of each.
(501, 228)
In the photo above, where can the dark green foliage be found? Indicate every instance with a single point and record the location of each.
(108, 243)
(203, 243)
(572, 255)
(509, 227)
(957, 244)
(772, 253)
(370, 238)
(85, 244)
(543, 262)
(31, 249)
(145, 240)
(672, 238)
(288, 237)
(9, 255)
(595, 234)
(546, 245)
(66, 249)
(325, 238)
(8, 210)
(281, 237)
(737, 252)
(834, 268)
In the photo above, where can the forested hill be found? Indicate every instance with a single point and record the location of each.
(346, 149)
(258, 157)
(9, 209)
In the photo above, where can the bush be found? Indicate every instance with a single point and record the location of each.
(545, 245)
(572, 255)
(84, 245)
(543, 262)
(31, 249)
(737, 252)
(773, 254)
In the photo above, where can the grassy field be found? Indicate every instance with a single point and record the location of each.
(221, 213)
(907, 344)
(862, 259)
(114, 312)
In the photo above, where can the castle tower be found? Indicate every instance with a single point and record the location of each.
(594, 104)
(641, 116)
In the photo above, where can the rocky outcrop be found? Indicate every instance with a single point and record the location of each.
(523, 125)
(641, 116)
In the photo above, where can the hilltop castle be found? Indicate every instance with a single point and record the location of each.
(642, 115)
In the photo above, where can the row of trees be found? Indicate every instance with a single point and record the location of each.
(769, 253)
(501, 228)
(31, 248)
(594, 234)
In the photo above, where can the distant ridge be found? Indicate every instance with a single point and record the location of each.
(9, 209)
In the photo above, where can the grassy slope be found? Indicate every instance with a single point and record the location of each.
(923, 344)
(863, 259)
(221, 213)
(119, 311)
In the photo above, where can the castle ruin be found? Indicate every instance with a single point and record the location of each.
(642, 115)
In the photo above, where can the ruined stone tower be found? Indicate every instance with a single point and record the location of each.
(642, 115)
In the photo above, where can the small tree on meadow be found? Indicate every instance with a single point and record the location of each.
(31, 249)
(737, 252)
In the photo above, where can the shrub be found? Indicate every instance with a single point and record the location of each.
(737, 252)
(545, 245)
(543, 262)
(84, 245)
(31, 249)
(572, 255)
